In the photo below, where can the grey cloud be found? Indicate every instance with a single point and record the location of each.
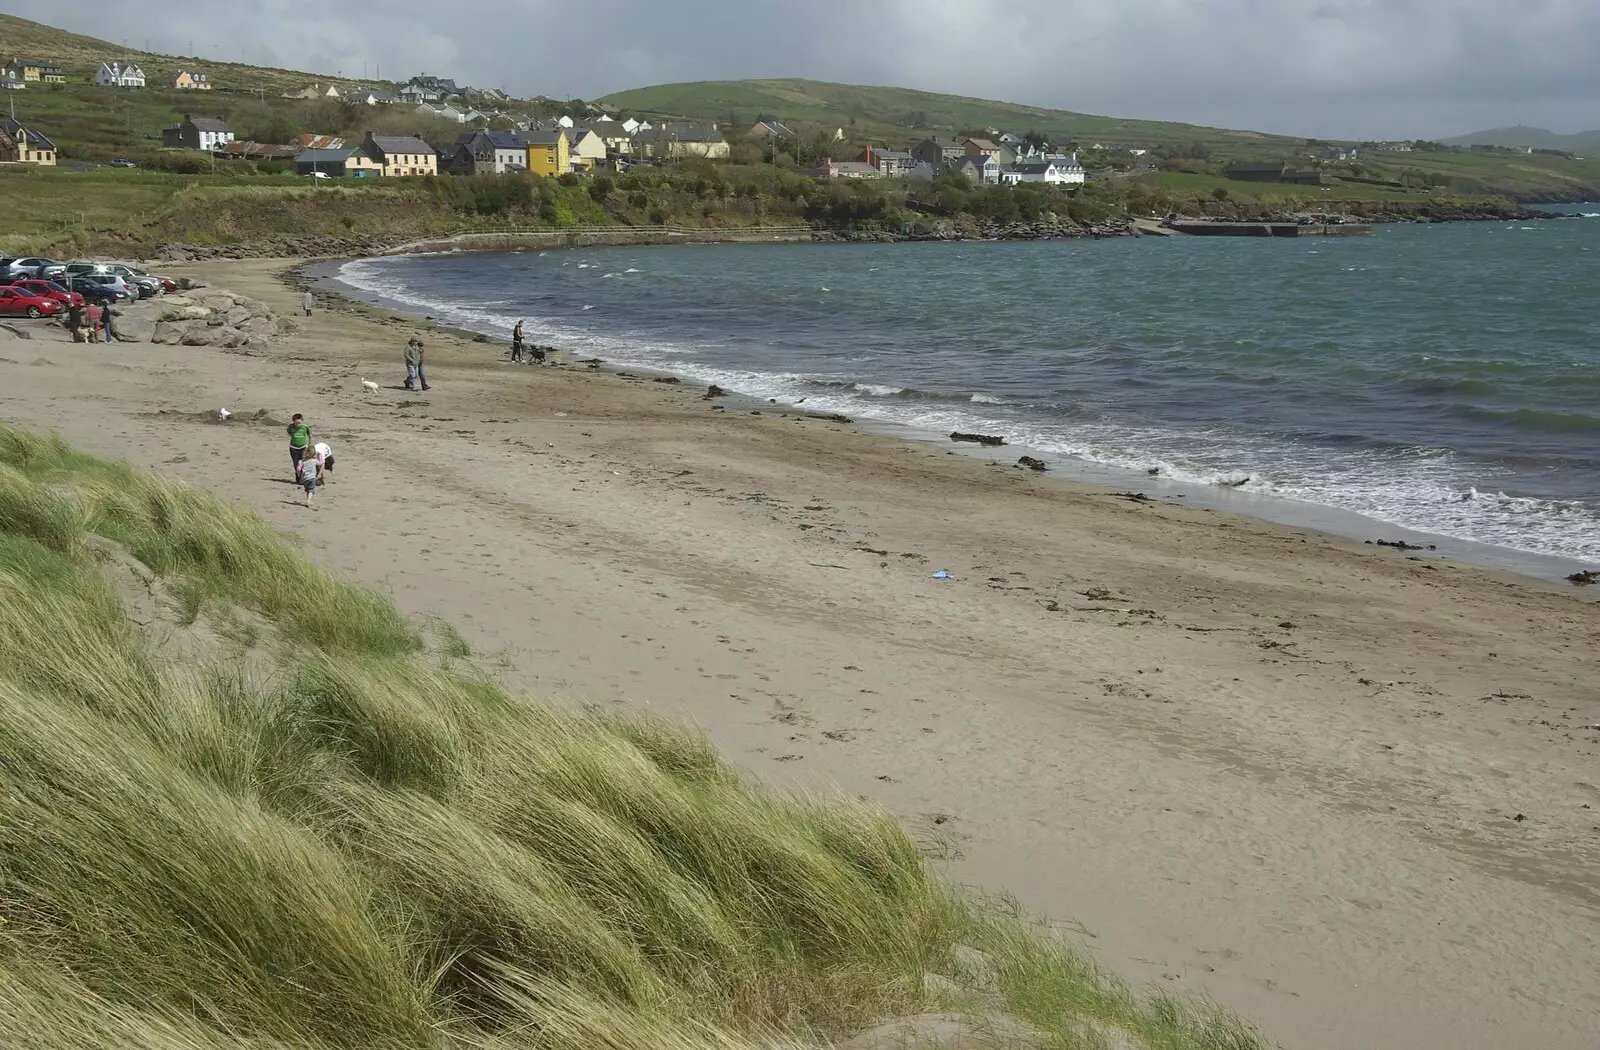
(1345, 68)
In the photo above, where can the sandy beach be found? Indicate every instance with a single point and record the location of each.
(1351, 795)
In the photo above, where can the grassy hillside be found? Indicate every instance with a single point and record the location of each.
(80, 56)
(899, 116)
(903, 113)
(246, 806)
(1582, 143)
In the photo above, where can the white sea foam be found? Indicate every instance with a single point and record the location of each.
(987, 399)
(879, 389)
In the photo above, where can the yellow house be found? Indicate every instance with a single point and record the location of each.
(399, 155)
(549, 152)
(187, 81)
(32, 72)
(18, 145)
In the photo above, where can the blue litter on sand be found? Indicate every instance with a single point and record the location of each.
(943, 574)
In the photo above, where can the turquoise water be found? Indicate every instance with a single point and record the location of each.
(1445, 379)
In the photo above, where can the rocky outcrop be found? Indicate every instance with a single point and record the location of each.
(204, 318)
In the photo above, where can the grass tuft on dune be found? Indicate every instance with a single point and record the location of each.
(327, 842)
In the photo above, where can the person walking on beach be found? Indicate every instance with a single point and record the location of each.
(106, 315)
(416, 378)
(309, 473)
(307, 301)
(299, 441)
(75, 322)
(92, 314)
(516, 344)
(324, 453)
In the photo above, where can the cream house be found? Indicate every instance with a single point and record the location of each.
(586, 148)
(677, 141)
(18, 145)
(401, 155)
(187, 81)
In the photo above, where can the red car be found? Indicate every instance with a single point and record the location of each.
(15, 302)
(47, 289)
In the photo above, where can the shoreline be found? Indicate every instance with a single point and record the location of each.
(1259, 763)
(333, 248)
(1269, 508)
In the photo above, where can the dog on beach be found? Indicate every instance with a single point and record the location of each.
(368, 385)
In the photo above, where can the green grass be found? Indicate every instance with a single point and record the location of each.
(362, 850)
(1195, 185)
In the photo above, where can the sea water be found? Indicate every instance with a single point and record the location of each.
(1440, 378)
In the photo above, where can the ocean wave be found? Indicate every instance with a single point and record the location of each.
(988, 399)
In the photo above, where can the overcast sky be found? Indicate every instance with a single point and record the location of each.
(1332, 68)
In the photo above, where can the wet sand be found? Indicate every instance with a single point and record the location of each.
(1348, 794)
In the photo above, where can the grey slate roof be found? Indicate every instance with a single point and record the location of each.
(12, 127)
(207, 124)
(391, 144)
(544, 138)
(324, 156)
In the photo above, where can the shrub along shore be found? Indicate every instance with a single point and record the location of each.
(244, 804)
(148, 214)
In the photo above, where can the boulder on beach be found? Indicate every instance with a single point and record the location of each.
(237, 316)
(168, 333)
(260, 326)
(201, 335)
(230, 338)
(132, 328)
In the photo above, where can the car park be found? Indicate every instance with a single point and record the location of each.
(103, 287)
(48, 289)
(15, 302)
(24, 266)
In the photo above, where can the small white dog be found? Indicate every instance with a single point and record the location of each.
(368, 385)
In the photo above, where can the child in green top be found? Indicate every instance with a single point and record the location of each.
(299, 441)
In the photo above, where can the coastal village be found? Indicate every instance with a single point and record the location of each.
(499, 135)
(498, 139)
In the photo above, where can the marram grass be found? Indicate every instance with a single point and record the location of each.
(362, 850)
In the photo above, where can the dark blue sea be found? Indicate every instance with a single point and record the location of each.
(1444, 379)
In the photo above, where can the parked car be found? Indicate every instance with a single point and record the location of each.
(103, 287)
(143, 284)
(81, 271)
(149, 284)
(48, 289)
(24, 266)
(167, 283)
(123, 162)
(14, 302)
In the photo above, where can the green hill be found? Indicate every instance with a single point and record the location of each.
(1583, 143)
(903, 113)
(80, 56)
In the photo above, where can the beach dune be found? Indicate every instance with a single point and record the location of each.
(1349, 794)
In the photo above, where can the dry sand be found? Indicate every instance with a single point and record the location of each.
(1348, 794)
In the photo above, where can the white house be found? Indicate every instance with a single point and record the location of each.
(564, 120)
(116, 74)
(1051, 171)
